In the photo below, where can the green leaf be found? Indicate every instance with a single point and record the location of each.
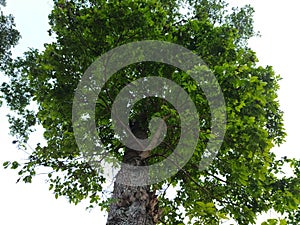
(14, 165)
(6, 164)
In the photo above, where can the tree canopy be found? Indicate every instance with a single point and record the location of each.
(240, 183)
(9, 36)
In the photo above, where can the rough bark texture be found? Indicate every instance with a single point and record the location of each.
(133, 205)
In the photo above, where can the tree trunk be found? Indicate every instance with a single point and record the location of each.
(133, 205)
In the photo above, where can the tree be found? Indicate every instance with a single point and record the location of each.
(242, 180)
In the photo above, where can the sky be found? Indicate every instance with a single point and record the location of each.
(278, 22)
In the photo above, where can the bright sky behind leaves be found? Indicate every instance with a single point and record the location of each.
(278, 22)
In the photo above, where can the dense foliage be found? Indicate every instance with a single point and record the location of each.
(241, 182)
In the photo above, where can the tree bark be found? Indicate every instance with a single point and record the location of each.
(133, 205)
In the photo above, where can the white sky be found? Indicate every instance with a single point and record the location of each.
(33, 204)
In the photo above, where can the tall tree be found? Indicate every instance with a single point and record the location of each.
(242, 180)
